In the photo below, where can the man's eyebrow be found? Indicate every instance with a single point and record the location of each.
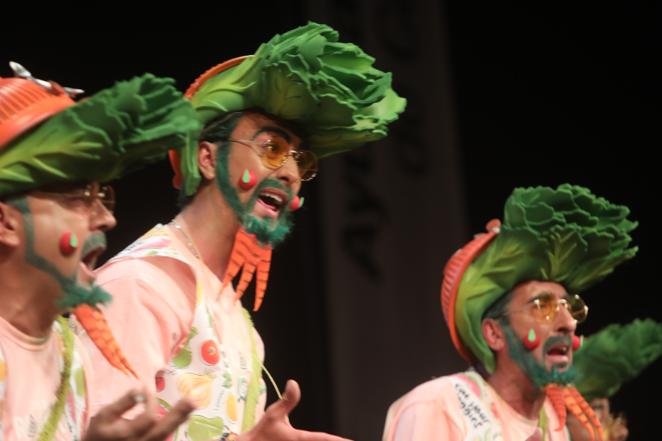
(539, 296)
(274, 129)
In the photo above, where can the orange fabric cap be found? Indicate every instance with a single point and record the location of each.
(24, 104)
(453, 273)
(173, 154)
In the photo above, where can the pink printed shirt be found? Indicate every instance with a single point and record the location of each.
(30, 375)
(182, 334)
(463, 407)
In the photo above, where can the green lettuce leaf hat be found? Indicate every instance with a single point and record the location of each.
(305, 76)
(614, 355)
(565, 235)
(47, 138)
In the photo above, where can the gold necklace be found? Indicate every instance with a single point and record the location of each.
(189, 243)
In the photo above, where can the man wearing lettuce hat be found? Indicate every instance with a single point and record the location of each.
(53, 215)
(511, 300)
(606, 360)
(267, 118)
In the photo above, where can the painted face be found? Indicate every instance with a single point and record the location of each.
(551, 360)
(73, 210)
(263, 208)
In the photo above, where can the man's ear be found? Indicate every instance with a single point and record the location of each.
(10, 225)
(493, 334)
(207, 154)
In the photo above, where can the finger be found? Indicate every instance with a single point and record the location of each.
(148, 419)
(151, 405)
(117, 408)
(290, 399)
(139, 426)
(142, 423)
(170, 421)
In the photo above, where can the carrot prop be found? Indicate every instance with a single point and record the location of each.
(92, 320)
(584, 412)
(569, 398)
(249, 255)
(555, 394)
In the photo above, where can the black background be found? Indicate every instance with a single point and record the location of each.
(544, 93)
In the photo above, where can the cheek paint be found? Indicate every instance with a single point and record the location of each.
(68, 243)
(248, 180)
(577, 342)
(296, 203)
(532, 341)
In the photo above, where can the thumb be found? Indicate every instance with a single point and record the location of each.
(116, 409)
(290, 399)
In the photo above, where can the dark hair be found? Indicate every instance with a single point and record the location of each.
(220, 129)
(497, 310)
(217, 131)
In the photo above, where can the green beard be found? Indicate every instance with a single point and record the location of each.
(536, 372)
(267, 231)
(73, 294)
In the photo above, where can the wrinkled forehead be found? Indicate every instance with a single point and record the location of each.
(527, 291)
(65, 187)
(253, 123)
(56, 187)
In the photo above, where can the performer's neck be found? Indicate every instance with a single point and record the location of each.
(26, 306)
(211, 225)
(516, 389)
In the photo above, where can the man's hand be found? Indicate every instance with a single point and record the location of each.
(275, 426)
(108, 424)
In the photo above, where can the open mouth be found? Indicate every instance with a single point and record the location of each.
(90, 259)
(559, 354)
(87, 264)
(271, 202)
